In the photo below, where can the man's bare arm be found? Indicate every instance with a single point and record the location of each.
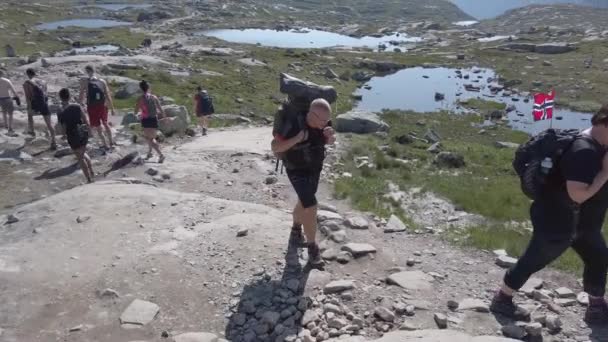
(83, 92)
(106, 88)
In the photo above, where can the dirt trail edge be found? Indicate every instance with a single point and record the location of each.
(202, 254)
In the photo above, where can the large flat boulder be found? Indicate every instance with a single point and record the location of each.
(411, 280)
(554, 48)
(360, 123)
(297, 88)
(196, 337)
(172, 125)
(181, 112)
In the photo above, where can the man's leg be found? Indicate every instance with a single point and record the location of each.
(30, 122)
(101, 137)
(10, 120)
(49, 126)
(108, 130)
(5, 119)
(591, 247)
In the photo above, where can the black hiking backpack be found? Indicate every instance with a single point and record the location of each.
(39, 97)
(538, 158)
(95, 92)
(205, 103)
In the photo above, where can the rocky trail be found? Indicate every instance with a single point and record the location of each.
(202, 253)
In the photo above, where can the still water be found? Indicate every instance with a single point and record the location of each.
(84, 23)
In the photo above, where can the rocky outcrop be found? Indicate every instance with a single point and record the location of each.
(360, 123)
(548, 48)
(180, 112)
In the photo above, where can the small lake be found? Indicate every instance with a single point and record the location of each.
(84, 23)
(414, 89)
(306, 38)
(485, 9)
(96, 49)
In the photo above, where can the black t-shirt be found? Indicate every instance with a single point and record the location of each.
(70, 117)
(582, 163)
(307, 154)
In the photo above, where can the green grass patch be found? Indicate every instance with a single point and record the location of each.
(483, 105)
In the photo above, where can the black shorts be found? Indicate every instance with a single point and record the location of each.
(149, 123)
(200, 115)
(305, 182)
(77, 139)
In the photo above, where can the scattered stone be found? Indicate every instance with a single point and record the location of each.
(242, 232)
(441, 320)
(344, 257)
(504, 144)
(554, 323)
(449, 159)
(564, 292)
(360, 123)
(472, 304)
(394, 225)
(11, 218)
(337, 323)
(534, 329)
(329, 254)
(531, 285)
(384, 314)
(271, 180)
(139, 312)
(583, 299)
(407, 326)
(514, 331)
(435, 148)
(108, 293)
(338, 286)
(439, 97)
(310, 316)
(190, 132)
(411, 280)
(357, 222)
(359, 249)
(338, 237)
(453, 305)
(565, 302)
(547, 63)
(76, 328)
(196, 337)
(152, 171)
(505, 261)
(543, 296)
(324, 215)
(82, 219)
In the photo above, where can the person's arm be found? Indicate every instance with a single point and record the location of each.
(83, 92)
(106, 88)
(12, 89)
(84, 117)
(159, 107)
(28, 95)
(580, 192)
(281, 145)
(330, 135)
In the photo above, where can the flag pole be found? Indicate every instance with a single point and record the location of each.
(551, 121)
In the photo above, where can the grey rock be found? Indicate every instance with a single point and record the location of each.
(11, 218)
(394, 225)
(441, 320)
(344, 257)
(407, 326)
(172, 125)
(175, 111)
(271, 180)
(196, 337)
(338, 237)
(564, 292)
(504, 144)
(472, 304)
(108, 293)
(357, 222)
(329, 254)
(139, 312)
(583, 298)
(432, 136)
(437, 336)
(554, 323)
(554, 48)
(359, 249)
(411, 280)
(384, 314)
(129, 119)
(449, 160)
(243, 231)
(531, 285)
(435, 148)
(324, 215)
(534, 329)
(360, 123)
(310, 316)
(338, 286)
(505, 261)
(543, 296)
(152, 171)
(337, 323)
(565, 302)
(439, 97)
(514, 331)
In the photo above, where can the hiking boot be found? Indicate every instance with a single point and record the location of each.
(503, 305)
(314, 255)
(53, 146)
(597, 314)
(204, 131)
(161, 159)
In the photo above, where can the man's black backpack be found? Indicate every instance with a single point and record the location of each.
(95, 92)
(39, 98)
(538, 158)
(205, 103)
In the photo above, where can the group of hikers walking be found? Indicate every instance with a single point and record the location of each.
(95, 98)
(568, 207)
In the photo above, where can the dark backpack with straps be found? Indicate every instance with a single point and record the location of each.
(205, 103)
(39, 98)
(536, 160)
(95, 92)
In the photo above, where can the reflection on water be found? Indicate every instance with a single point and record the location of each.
(415, 88)
(305, 38)
(84, 23)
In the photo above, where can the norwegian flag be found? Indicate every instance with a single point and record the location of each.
(543, 106)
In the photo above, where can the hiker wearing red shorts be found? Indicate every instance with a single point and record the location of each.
(98, 100)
